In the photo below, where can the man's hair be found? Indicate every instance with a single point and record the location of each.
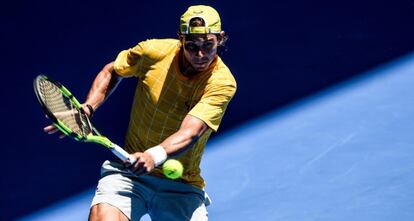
(197, 22)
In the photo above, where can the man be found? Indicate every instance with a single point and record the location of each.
(182, 93)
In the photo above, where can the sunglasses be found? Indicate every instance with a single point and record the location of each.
(205, 46)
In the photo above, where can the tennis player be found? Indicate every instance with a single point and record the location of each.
(182, 93)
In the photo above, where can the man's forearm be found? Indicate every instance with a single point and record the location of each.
(179, 142)
(190, 131)
(103, 85)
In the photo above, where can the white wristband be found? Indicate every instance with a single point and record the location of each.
(158, 154)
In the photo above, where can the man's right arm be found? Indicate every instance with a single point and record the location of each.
(104, 84)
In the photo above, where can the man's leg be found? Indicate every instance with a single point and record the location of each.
(118, 196)
(106, 212)
(175, 201)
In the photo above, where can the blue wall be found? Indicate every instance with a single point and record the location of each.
(278, 51)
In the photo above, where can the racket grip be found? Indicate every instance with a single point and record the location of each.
(122, 154)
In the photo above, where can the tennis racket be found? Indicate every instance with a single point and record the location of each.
(67, 115)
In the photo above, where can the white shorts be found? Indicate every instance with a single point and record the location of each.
(162, 199)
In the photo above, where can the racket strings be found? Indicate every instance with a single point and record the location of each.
(63, 108)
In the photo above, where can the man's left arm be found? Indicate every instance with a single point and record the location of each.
(205, 115)
(190, 131)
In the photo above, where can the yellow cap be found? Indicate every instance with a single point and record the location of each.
(207, 13)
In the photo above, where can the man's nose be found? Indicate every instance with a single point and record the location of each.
(200, 53)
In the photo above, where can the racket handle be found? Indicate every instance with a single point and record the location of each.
(122, 154)
(125, 157)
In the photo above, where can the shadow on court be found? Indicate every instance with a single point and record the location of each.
(344, 154)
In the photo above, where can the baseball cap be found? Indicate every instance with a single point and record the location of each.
(208, 14)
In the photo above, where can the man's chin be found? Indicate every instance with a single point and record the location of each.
(200, 69)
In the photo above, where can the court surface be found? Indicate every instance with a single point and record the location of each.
(344, 154)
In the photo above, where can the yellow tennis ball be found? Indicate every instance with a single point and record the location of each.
(172, 169)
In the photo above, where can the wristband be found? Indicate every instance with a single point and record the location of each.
(158, 154)
(90, 110)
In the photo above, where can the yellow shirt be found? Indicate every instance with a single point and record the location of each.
(164, 96)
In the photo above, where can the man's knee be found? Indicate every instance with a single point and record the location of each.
(106, 212)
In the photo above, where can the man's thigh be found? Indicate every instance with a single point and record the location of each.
(104, 211)
(177, 201)
(120, 193)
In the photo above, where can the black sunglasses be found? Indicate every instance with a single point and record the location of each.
(205, 46)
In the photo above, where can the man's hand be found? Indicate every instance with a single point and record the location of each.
(88, 109)
(51, 129)
(144, 164)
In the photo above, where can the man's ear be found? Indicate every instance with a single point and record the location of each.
(180, 36)
(222, 38)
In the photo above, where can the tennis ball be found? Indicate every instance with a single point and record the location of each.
(172, 169)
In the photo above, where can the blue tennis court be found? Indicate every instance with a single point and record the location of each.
(343, 154)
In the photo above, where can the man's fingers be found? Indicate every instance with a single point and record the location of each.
(53, 131)
(50, 129)
(139, 167)
(143, 164)
(148, 167)
(138, 164)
